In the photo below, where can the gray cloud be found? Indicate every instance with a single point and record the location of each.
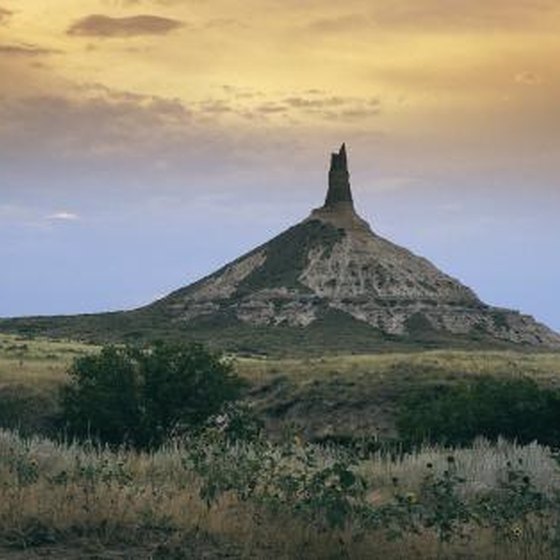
(25, 50)
(217, 106)
(112, 138)
(271, 108)
(307, 102)
(98, 25)
(315, 104)
(100, 124)
(117, 138)
(334, 107)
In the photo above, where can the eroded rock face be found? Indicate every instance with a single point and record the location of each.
(224, 285)
(333, 260)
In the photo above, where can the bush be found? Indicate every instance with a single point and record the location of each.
(516, 409)
(142, 397)
(28, 410)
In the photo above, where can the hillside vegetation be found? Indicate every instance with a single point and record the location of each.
(334, 396)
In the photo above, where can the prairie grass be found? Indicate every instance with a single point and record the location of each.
(347, 395)
(51, 492)
(482, 466)
(37, 362)
(45, 361)
(455, 363)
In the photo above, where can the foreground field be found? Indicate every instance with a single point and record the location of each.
(211, 499)
(323, 398)
(294, 493)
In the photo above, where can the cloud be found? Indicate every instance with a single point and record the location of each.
(332, 107)
(114, 134)
(271, 108)
(63, 217)
(349, 22)
(472, 15)
(316, 102)
(4, 15)
(527, 78)
(359, 113)
(435, 15)
(215, 106)
(97, 123)
(26, 50)
(98, 25)
(316, 105)
(240, 93)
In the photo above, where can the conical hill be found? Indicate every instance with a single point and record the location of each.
(329, 283)
(333, 262)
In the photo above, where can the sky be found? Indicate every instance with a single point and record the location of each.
(144, 143)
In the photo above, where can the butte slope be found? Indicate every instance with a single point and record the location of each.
(327, 283)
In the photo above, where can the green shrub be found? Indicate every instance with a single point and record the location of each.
(28, 410)
(516, 409)
(142, 397)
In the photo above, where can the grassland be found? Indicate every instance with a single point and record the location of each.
(68, 501)
(71, 501)
(37, 362)
(320, 398)
(356, 395)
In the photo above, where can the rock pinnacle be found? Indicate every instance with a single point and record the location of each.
(339, 192)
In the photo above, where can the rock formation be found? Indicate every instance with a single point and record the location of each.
(327, 283)
(333, 261)
(339, 193)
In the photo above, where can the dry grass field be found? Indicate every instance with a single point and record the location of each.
(37, 362)
(72, 502)
(271, 500)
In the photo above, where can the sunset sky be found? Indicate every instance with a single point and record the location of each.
(143, 143)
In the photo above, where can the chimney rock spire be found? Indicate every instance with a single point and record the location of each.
(339, 181)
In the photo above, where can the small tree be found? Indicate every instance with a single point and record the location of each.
(141, 397)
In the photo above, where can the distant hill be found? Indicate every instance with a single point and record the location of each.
(327, 284)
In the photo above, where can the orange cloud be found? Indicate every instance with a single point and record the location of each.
(98, 25)
(473, 15)
(25, 50)
(4, 15)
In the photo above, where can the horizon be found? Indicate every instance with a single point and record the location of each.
(146, 143)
